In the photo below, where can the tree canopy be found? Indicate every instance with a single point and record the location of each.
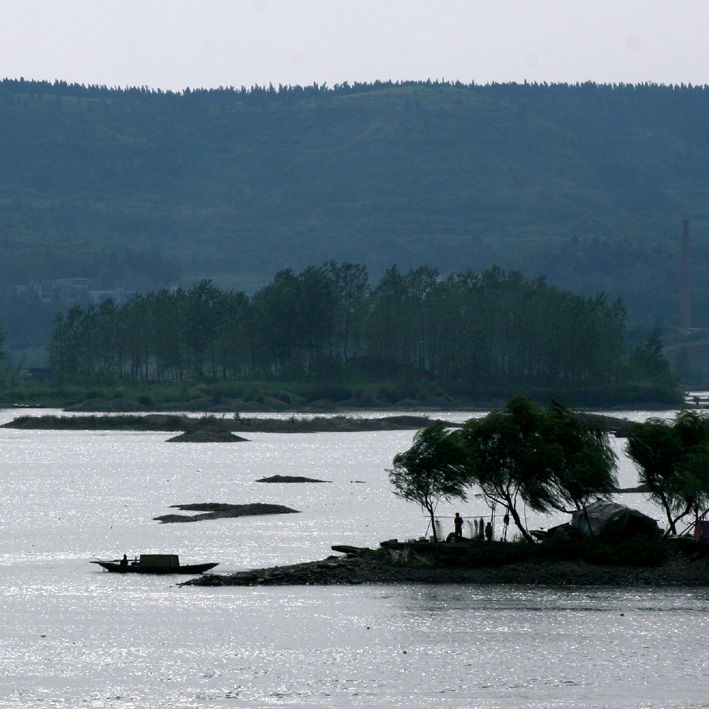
(544, 457)
(582, 462)
(486, 334)
(580, 183)
(509, 459)
(430, 471)
(673, 463)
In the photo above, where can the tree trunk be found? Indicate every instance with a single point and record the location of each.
(433, 524)
(515, 516)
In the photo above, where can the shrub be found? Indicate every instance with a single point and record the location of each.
(634, 552)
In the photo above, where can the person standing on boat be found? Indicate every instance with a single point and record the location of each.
(458, 525)
(124, 560)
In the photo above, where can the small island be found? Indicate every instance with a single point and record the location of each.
(218, 510)
(211, 422)
(207, 436)
(290, 479)
(551, 459)
(674, 562)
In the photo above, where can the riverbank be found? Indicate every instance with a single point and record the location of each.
(673, 563)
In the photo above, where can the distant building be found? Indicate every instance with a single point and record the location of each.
(65, 292)
(119, 294)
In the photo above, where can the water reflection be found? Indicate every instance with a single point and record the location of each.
(75, 636)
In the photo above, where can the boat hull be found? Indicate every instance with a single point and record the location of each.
(118, 568)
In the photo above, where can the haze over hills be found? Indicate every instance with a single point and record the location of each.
(586, 184)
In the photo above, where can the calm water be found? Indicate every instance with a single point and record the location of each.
(74, 636)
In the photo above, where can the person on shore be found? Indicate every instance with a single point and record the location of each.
(458, 526)
(488, 531)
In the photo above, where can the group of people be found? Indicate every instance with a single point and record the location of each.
(458, 527)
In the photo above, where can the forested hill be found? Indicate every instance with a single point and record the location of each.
(585, 184)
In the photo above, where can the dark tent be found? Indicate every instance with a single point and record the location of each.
(610, 521)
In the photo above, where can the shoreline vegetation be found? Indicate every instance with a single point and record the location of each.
(211, 423)
(672, 562)
(316, 396)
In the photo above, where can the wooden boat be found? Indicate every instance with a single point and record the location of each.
(153, 564)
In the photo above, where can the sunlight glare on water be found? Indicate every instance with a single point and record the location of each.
(74, 636)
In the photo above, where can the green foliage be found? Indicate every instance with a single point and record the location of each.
(547, 458)
(504, 461)
(582, 463)
(647, 362)
(582, 183)
(430, 471)
(413, 336)
(208, 423)
(673, 462)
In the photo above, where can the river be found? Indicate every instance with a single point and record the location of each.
(74, 636)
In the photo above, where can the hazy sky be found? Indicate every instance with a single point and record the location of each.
(172, 44)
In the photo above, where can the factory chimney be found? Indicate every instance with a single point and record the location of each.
(685, 298)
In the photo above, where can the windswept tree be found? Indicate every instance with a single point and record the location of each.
(673, 463)
(582, 461)
(507, 458)
(549, 458)
(431, 470)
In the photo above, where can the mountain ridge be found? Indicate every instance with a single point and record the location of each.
(585, 184)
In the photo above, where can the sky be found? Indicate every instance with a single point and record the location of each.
(175, 44)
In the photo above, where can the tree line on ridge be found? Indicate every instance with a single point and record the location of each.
(493, 331)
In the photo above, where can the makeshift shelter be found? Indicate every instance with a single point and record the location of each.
(610, 521)
(701, 531)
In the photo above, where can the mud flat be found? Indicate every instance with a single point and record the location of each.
(218, 510)
(290, 479)
(207, 436)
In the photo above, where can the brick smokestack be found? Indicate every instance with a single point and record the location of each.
(685, 300)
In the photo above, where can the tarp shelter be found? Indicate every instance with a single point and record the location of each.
(701, 531)
(610, 520)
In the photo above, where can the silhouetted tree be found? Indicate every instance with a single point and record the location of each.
(506, 457)
(673, 463)
(430, 471)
